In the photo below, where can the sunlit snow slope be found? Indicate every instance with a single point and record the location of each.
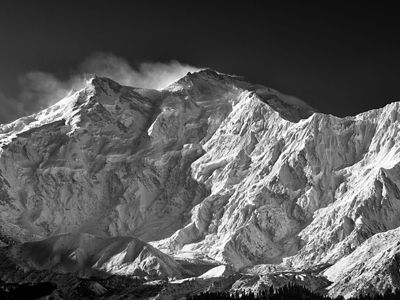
(211, 167)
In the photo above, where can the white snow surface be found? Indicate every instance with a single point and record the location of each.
(212, 167)
(220, 271)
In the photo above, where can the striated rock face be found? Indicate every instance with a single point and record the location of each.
(212, 168)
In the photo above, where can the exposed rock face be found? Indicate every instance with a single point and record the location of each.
(211, 167)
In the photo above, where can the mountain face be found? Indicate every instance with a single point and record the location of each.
(211, 169)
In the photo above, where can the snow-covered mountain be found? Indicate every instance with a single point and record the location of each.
(211, 170)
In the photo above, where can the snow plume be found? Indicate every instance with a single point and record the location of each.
(152, 75)
(40, 89)
(10, 108)
(37, 90)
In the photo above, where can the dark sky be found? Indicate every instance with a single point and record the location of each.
(340, 59)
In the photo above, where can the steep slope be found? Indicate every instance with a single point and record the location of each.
(210, 168)
(315, 189)
(89, 164)
(371, 268)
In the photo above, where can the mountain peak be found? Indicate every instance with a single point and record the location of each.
(103, 82)
(211, 73)
(208, 83)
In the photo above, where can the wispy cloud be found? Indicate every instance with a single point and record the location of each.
(153, 75)
(40, 89)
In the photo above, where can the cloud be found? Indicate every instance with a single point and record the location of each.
(39, 89)
(10, 108)
(148, 75)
